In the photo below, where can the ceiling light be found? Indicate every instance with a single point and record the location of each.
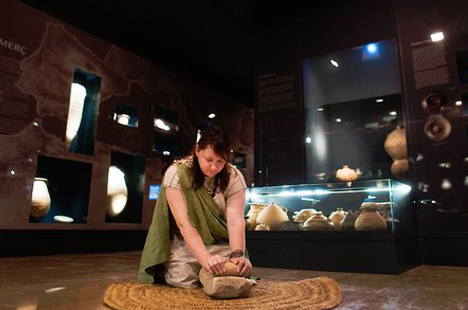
(338, 120)
(334, 62)
(308, 140)
(372, 48)
(379, 100)
(320, 109)
(212, 115)
(393, 113)
(458, 103)
(12, 172)
(437, 36)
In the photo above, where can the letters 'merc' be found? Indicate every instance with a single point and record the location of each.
(13, 46)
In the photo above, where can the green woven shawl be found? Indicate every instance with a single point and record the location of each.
(204, 214)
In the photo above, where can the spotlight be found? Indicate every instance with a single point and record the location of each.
(437, 36)
(334, 62)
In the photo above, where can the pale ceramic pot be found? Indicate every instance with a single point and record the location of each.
(370, 219)
(290, 226)
(346, 174)
(254, 210)
(117, 192)
(304, 215)
(400, 168)
(336, 217)
(348, 221)
(75, 112)
(395, 144)
(123, 119)
(273, 216)
(40, 198)
(318, 222)
(262, 227)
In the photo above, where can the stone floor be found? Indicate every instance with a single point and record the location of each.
(78, 282)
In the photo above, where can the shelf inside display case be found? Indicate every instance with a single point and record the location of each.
(359, 226)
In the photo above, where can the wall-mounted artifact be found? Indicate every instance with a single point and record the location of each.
(433, 102)
(347, 223)
(337, 216)
(370, 219)
(123, 119)
(346, 174)
(40, 199)
(395, 144)
(318, 222)
(400, 168)
(75, 112)
(117, 193)
(272, 215)
(437, 128)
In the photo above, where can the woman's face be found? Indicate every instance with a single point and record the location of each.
(209, 162)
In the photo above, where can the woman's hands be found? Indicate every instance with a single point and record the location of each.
(215, 264)
(244, 266)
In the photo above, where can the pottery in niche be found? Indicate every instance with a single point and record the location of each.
(437, 128)
(116, 191)
(40, 199)
(370, 219)
(290, 226)
(346, 174)
(318, 222)
(272, 215)
(75, 112)
(337, 216)
(395, 144)
(348, 221)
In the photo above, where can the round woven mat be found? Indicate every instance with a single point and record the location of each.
(317, 293)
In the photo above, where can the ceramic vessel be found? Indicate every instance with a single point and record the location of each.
(370, 219)
(272, 215)
(40, 199)
(290, 226)
(254, 210)
(346, 174)
(75, 112)
(337, 216)
(304, 215)
(348, 221)
(318, 222)
(116, 191)
(262, 227)
(123, 119)
(437, 128)
(400, 168)
(395, 144)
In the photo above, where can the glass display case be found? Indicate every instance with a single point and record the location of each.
(371, 205)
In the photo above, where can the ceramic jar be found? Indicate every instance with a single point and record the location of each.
(116, 191)
(290, 226)
(40, 199)
(262, 227)
(254, 210)
(400, 167)
(346, 174)
(272, 215)
(337, 216)
(395, 144)
(348, 221)
(75, 112)
(304, 215)
(318, 222)
(370, 219)
(123, 119)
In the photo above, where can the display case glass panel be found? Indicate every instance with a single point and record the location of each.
(372, 205)
(352, 101)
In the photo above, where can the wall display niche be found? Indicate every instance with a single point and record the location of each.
(125, 188)
(82, 112)
(60, 191)
(166, 140)
(352, 101)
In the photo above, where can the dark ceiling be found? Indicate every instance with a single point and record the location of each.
(210, 41)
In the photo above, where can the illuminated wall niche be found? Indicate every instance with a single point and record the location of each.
(82, 113)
